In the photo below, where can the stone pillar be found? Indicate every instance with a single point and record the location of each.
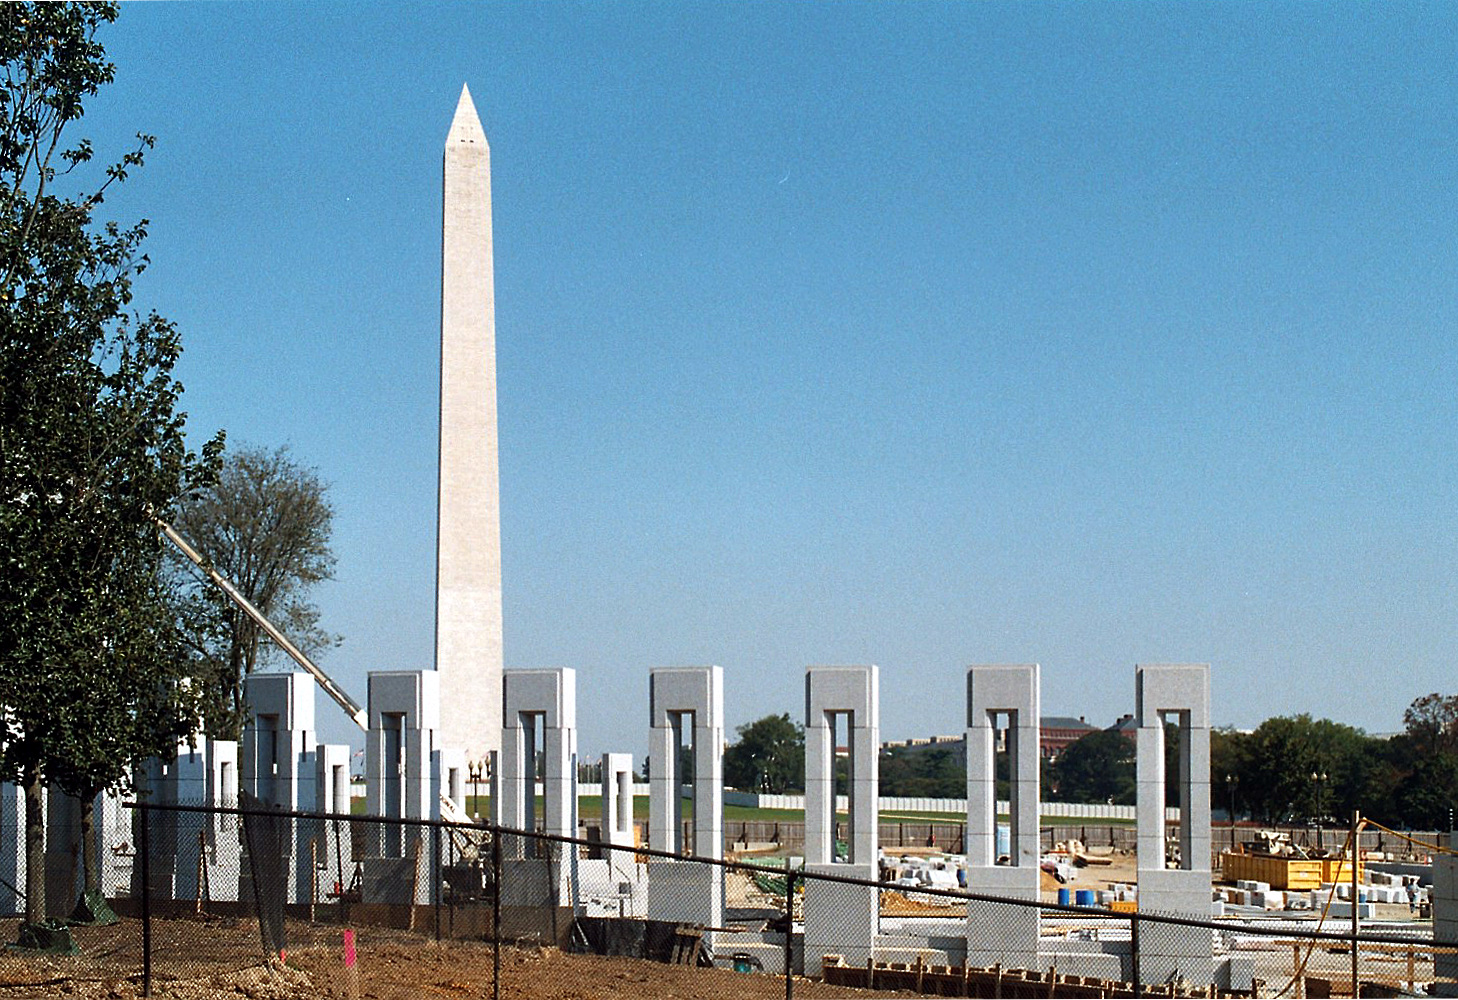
(334, 849)
(539, 704)
(449, 768)
(205, 772)
(1181, 690)
(692, 698)
(116, 838)
(493, 786)
(278, 760)
(331, 778)
(12, 849)
(404, 711)
(63, 869)
(1001, 934)
(615, 884)
(839, 918)
(278, 739)
(1444, 898)
(539, 726)
(617, 799)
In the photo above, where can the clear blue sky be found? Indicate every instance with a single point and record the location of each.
(914, 334)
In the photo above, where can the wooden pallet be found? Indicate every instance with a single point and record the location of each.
(688, 943)
(992, 982)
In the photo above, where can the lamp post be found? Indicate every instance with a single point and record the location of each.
(474, 773)
(1231, 780)
(1318, 779)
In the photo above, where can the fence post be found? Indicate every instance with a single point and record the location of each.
(1356, 897)
(789, 931)
(313, 880)
(339, 885)
(1134, 955)
(496, 913)
(439, 876)
(144, 846)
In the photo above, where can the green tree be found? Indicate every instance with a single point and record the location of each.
(265, 526)
(91, 444)
(924, 771)
(1300, 768)
(768, 757)
(1431, 722)
(1230, 764)
(1419, 769)
(1096, 768)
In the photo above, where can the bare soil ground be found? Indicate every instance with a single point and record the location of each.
(220, 960)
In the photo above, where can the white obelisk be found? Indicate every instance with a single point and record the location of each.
(468, 539)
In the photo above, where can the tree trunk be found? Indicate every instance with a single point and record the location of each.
(35, 849)
(90, 856)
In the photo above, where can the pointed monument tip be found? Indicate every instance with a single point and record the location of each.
(466, 125)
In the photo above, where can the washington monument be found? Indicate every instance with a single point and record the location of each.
(468, 537)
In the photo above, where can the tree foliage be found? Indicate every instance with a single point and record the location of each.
(937, 771)
(91, 443)
(1098, 767)
(1419, 770)
(265, 525)
(768, 757)
(1308, 770)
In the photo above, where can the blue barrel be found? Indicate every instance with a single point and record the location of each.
(1063, 899)
(1085, 897)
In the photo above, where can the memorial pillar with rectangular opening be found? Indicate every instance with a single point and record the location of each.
(617, 799)
(277, 764)
(538, 738)
(539, 709)
(841, 919)
(684, 701)
(1180, 692)
(404, 717)
(206, 772)
(616, 884)
(278, 740)
(448, 774)
(1003, 699)
(333, 850)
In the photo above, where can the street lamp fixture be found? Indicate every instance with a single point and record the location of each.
(1231, 781)
(1318, 779)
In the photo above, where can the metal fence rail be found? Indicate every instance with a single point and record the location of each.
(255, 901)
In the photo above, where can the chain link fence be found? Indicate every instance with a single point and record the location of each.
(261, 903)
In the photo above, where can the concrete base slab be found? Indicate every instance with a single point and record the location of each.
(686, 892)
(840, 919)
(1002, 934)
(1170, 953)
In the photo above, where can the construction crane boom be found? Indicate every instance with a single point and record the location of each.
(351, 707)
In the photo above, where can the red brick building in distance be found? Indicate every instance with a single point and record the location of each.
(1057, 732)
